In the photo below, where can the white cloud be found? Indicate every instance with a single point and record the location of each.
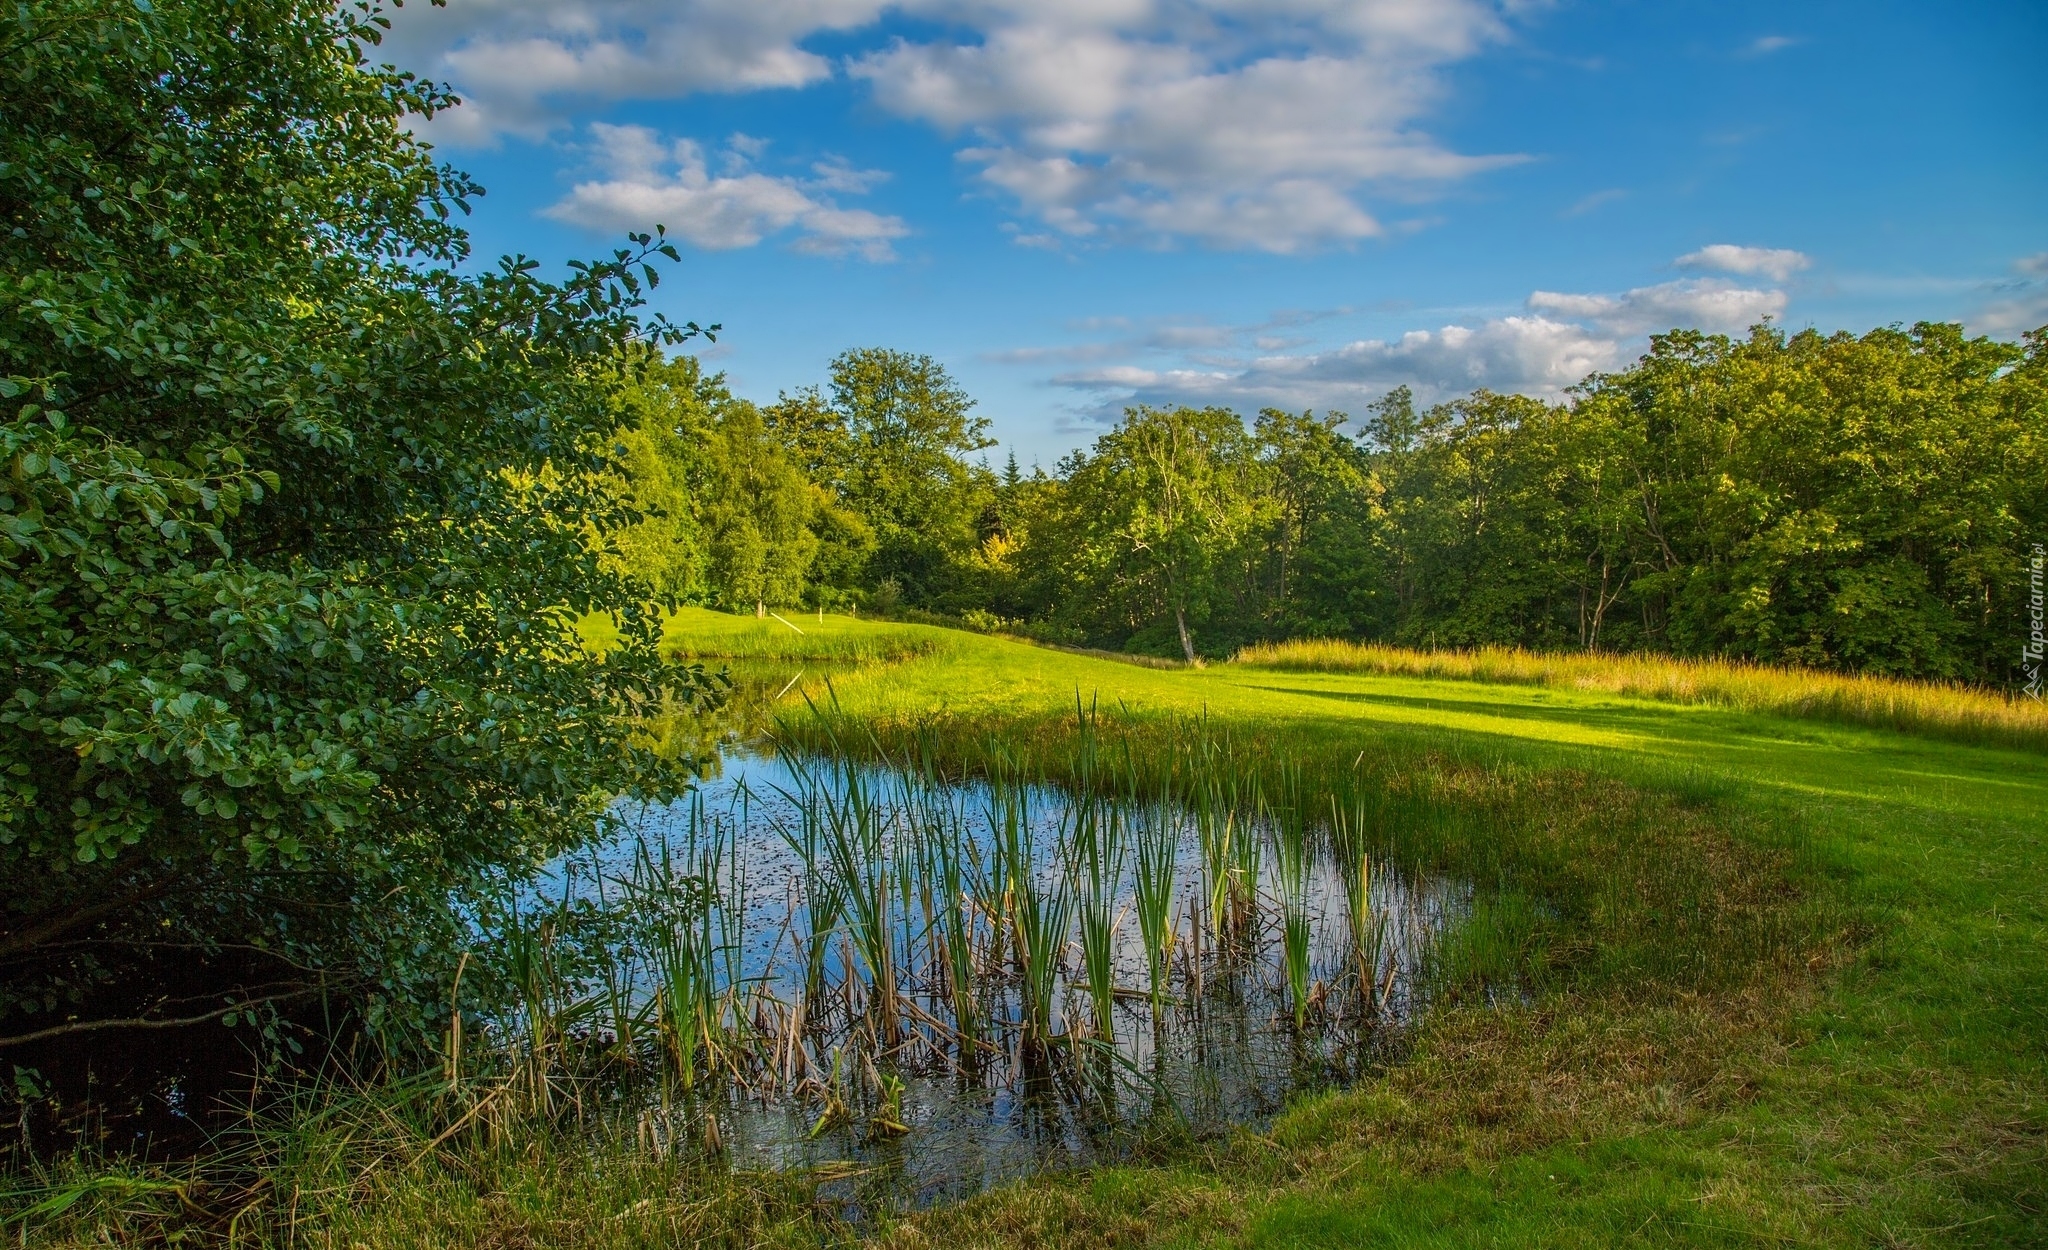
(2018, 304)
(1239, 123)
(1563, 338)
(1701, 303)
(650, 181)
(1764, 45)
(515, 61)
(1531, 355)
(1775, 263)
(1236, 124)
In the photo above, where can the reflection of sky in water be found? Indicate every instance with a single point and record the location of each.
(1236, 1060)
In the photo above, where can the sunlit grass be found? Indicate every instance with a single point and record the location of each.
(1940, 709)
(1772, 982)
(699, 633)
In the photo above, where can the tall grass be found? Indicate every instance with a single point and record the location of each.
(1039, 907)
(1366, 927)
(1936, 709)
(1156, 832)
(1100, 852)
(1288, 818)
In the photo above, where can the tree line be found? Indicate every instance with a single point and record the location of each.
(1862, 503)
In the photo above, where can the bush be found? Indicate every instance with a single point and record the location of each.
(297, 521)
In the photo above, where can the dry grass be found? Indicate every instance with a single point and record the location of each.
(1936, 709)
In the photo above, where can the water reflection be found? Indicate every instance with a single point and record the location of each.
(849, 950)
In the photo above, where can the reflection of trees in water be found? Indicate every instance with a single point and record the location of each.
(758, 693)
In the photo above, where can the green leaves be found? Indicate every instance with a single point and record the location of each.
(295, 511)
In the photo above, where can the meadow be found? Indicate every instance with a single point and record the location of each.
(1730, 976)
(355, 901)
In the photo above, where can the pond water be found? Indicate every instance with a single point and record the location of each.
(840, 960)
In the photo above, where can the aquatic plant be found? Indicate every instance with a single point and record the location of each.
(1156, 835)
(1098, 861)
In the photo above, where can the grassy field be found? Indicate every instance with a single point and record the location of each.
(1795, 990)
(1891, 1093)
(1936, 708)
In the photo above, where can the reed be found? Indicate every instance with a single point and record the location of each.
(1291, 861)
(950, 870)
(1099, 856)
(1215, 832)
(856, 847)
(1366, 928)
(823, 899)
(1156, 835)
(680, 906)
(1040, 908)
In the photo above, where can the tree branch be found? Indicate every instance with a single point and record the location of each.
(88, 1026)
(38, 934)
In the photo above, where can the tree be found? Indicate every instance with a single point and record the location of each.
(299, 513)
(1320, 571)
(759, 512)
(1835, 500)
(907, 428)
(1150, 517)
(729, 516)
(669, 408)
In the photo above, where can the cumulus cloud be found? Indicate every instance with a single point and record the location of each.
(1238, 125)
(1561, 339)
(1705, 304)
(651, 181)
(515, 62)
(1775, 263)
(1235, 123)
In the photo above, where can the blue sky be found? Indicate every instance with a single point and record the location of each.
(1299, 203)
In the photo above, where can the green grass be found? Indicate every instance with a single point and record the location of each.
(1798, 993)
(1940, 709)
(697, 633)
(1896, 1095)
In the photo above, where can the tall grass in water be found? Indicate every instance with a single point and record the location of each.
(1365, 926)
(1936, 709)
(948, 855)
(1099, 854)
(1288, 818)
(1156, 832)
(823, 900)
(855, 842)
(1039, 907)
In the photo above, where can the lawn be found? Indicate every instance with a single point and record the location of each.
(1889, 1092)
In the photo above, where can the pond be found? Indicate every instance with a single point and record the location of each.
(924, 987)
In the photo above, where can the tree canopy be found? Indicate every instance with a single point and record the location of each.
(300, 508)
